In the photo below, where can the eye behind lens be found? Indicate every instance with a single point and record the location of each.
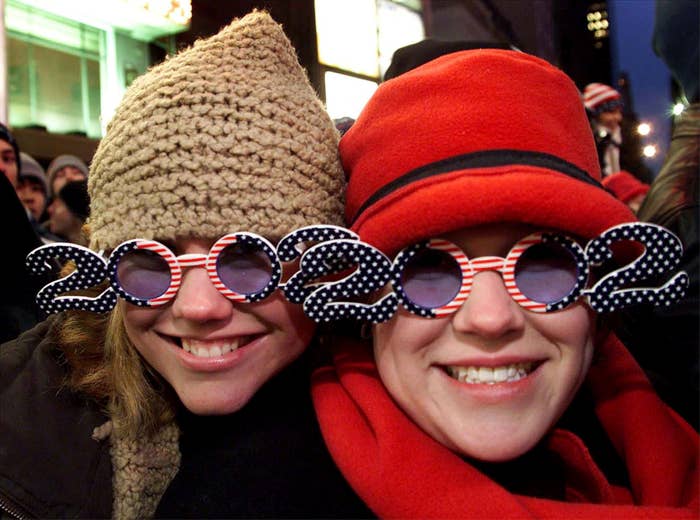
(431, 278)
(143, 274)
(546, 273)
(244, 268)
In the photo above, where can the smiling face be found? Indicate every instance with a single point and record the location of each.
(491, 379)
(216, 353)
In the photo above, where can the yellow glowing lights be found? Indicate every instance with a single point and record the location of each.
(644, 129)
(678, 109)
(592, 26)
(598, 24)
(596, 15)
(177, 11)
(649, 150)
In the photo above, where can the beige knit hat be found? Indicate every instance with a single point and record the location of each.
(226, 136)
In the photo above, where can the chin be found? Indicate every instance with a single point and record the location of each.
(222, 404)
(488, 451)
(499, 453)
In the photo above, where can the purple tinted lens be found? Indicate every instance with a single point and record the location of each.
(244, 269)
(143, 274)
(431, 278)
(546, 273)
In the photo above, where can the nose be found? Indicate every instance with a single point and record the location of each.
(489, 311)
(198, 300)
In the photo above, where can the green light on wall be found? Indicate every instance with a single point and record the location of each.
(143, 20)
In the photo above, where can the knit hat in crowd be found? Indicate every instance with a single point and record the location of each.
(75, 196)
(470, 138)
(625, 186)
(225, 136)
(33, 170)
(6, 135)
(599, 98)
(61, 162)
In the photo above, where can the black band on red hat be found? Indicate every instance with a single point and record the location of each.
(485, 159)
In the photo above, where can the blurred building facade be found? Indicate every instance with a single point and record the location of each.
(68, 63)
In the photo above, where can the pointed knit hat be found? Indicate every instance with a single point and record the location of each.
(226, 136)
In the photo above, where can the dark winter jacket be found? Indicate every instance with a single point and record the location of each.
(59, 458)
(46, 431)
(672, 202)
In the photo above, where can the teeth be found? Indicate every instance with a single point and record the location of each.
(490, 375)
(500, 374)
(205, 349)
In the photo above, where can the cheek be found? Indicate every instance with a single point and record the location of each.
(572, 331)
(397, 341)
(288, 319)
(138, 322)
(573, 326)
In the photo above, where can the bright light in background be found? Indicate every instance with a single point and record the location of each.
(649, 150)
(678, 109)
(144, 19)
(347, 35)
(398, 27)
(346, 95)
(644, 129)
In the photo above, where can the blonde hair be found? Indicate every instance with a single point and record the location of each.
(106, 366)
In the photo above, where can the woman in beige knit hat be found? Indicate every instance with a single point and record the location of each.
(226, 137)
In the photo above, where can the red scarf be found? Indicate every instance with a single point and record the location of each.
(400, 472)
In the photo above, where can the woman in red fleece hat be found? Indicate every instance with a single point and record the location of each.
(495, 390)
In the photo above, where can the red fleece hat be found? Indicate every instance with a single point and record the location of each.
(625, 186)
(474, 137)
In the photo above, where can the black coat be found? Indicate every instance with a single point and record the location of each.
(18, 310)
(267, 460)
(50, 467)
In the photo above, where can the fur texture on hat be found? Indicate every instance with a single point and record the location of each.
(599, 98)
(226, 136)
(470, 138)
(625, 186)
(61, 162)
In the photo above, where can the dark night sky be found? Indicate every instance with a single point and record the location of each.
(632, 24)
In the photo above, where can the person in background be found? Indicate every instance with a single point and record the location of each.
(627, 188)
(190, 391)
(32, 190)
(494, 391)
(32, 187)
(63, 169)
(18, 310)
(69, 211)
(604, 105)
(9, 155)
(672, 202)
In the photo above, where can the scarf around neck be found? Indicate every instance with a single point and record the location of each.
(401, 472)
